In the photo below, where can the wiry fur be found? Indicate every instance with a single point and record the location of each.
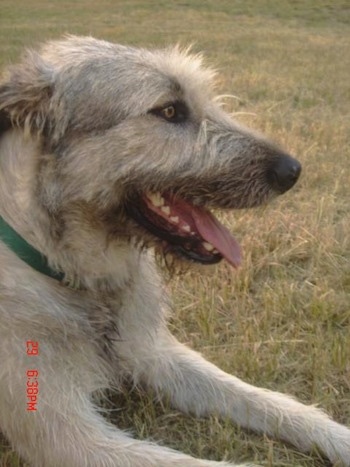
(78, 146)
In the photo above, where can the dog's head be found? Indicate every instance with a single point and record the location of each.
(133, 147)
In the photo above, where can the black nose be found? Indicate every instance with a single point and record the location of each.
(284, 173)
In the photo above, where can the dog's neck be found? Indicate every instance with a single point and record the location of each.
(16, 229)
(17, 171)
(20, 211)
(26, 252)
(25, 225)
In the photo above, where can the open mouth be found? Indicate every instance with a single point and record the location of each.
(190, 231)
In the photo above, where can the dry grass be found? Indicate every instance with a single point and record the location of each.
(283, 320)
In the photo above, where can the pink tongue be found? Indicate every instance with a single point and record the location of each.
(217, 234)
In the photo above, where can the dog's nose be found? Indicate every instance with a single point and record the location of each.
(284, 173)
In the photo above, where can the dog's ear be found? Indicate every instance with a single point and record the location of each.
(25, 94)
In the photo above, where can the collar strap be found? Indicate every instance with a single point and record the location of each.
(26, 252)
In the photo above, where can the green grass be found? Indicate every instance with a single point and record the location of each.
(283, 320)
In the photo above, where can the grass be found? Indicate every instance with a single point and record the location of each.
(283, 320)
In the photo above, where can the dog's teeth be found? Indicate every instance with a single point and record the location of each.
(156, 199)
(166, 210)
(215, 251)
(169, 258)
(208, 246)
(174, 219)
(186, 228)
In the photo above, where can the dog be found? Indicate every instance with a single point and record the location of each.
(112, 157)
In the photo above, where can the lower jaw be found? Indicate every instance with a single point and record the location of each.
(193, 256)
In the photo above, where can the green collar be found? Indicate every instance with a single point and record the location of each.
(26, 252)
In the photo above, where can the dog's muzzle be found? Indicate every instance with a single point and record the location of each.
(193, 232)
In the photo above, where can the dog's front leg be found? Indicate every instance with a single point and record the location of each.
(195, 385)
(66, 429)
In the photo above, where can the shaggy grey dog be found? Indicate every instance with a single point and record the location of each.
(108, 154)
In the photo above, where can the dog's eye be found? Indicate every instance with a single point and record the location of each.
(176, 112)
(169, 112)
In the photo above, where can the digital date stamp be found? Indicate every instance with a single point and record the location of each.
(32, 386)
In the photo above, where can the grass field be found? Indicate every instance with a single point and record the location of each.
(283, 320)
